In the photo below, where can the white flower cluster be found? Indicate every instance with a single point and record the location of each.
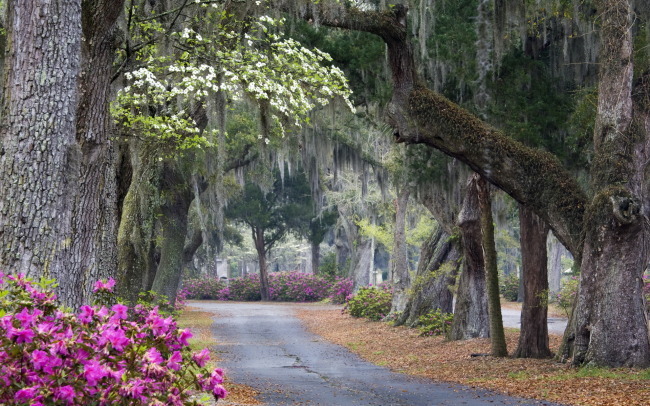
(291, 79)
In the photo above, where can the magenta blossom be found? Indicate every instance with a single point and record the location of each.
(107, 286)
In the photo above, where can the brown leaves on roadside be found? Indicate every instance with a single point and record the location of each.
(403, 350)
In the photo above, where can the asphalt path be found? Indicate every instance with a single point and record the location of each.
(512, 318)
(265, 346)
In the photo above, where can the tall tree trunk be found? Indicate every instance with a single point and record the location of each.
(497, 335)
(136, 265)
(436, 273)
(258, 238)
(471, 318)
(39, 155)
(610, 326)
(533, 338)
(400, 274)
(177, 197)
(93, 251)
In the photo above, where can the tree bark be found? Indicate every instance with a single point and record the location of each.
(610, 326)
(555, 270)
(39, 156)
(177, 196)
(497, 335)
(533, 338)
(400, 274)
(436, 273)
(136, 268)
(258, 238)
(93, 251)
(471, 318)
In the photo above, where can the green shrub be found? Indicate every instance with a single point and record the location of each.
(509, 286)
(567, 294)
(435, 323)
(370, 302)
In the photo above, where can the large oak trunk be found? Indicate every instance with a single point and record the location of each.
(400, 270)
(39, 156)
(471, 318)
(93, 251)
(177, 197)
(533, 338)
(436, 274)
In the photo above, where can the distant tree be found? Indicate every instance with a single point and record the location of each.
(270, 215)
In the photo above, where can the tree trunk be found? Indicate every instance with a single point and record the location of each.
(497, 335)
(136, 268)
(93, 251)
(401, 277)
(436, 273)
(177, 197)
(315, 257)
(471, 318)
(39, 156)
(533, 338)
(610, 326)
(258, 238)
(555, 270)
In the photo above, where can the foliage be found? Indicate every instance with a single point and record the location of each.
(373, 302)
(382, 233)
(567, 294)
(286, 79)
(509, 286)
(328, 266)
(204, 289)
(97, 356)
(283, 286)
(245, 289)
(435, 323)
(287, 207)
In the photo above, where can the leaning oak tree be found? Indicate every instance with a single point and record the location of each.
(606, 232)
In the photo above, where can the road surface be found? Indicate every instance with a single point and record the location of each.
(264, 346)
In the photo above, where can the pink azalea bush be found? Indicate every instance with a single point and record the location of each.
(283, 286)
(100, 355)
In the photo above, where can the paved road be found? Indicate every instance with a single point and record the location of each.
(512, 318)
(264, 346)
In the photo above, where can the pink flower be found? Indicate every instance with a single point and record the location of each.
(185, 335)
(219, 392)
(120, 311)
(101, 285)
(25, 394)
(94, 372)
(86, 314)
(65, 393)
(39, 359)
(174, 361)
(202, 357)
(153, 355)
